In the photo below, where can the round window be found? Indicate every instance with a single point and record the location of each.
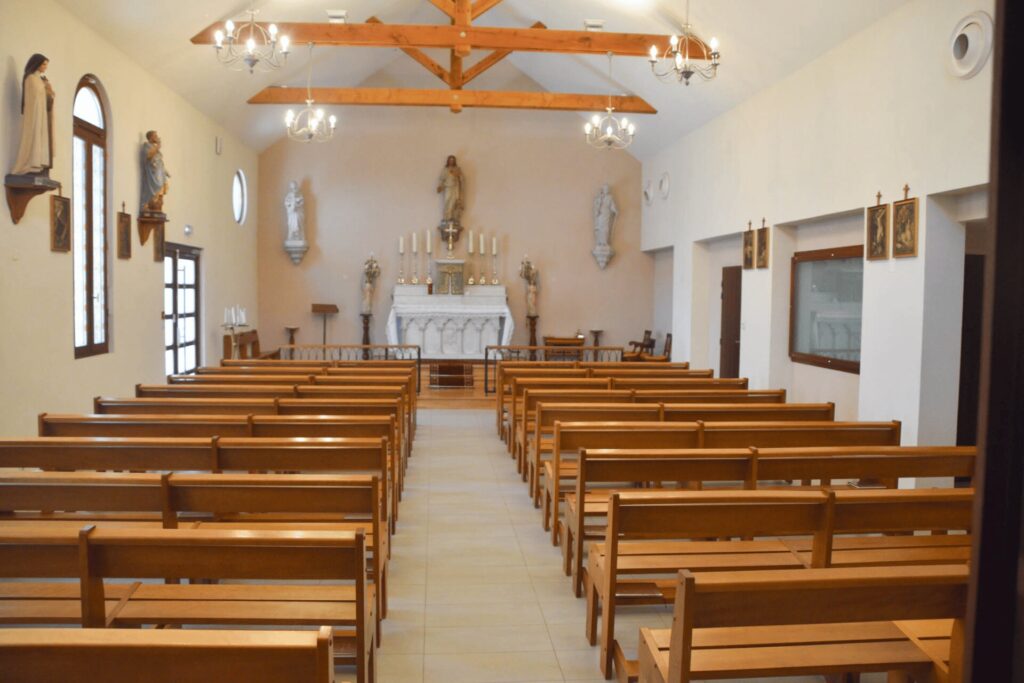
(239, 197)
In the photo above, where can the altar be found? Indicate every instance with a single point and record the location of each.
(450, 326)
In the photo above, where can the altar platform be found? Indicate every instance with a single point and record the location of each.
(450, 326)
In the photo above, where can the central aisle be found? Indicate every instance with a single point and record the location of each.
(477, 591)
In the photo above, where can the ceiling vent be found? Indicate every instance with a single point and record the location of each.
(337, 16)
(593, 24)
(970, 44)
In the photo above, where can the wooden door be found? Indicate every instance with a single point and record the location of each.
(729, 341)
(970, 350)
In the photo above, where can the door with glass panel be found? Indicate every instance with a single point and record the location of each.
(181, 308)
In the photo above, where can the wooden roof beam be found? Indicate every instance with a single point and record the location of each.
(450, 37)
(454, 99)
(490, 60)
(418, 55)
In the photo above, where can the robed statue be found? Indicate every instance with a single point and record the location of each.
(531, 276)
(451, 186)
(295, 210)
(154, 175)
(605, 213)
(35, 150)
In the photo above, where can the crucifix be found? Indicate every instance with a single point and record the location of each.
(878, 199)
(450, 232)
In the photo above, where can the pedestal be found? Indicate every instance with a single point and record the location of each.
(296, 249)
(153, 222)
(22, 188)
(366, 334)
(291, 330)
(596, 334)
(532, 320)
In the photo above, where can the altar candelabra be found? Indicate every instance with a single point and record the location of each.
(469, 259)
(415, 260)
(401, 259)
(483, 260)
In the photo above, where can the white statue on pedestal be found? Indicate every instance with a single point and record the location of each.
(605, 213)
(295, 243)
(529, 273)
(371, 271)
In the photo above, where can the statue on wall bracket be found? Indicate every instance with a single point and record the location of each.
(31, 173)
(155, 184)
(295, 244)
(605, 213)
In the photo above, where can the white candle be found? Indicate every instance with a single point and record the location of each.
(414, 242)
(471, 242)
(482, 245)
(430, 247)
(227, 316)
(401, 245)
(494, 246)
(242, 315)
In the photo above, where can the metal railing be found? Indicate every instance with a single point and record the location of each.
(354, 353)
(558, 353)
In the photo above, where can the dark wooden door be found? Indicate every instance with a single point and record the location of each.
(970, 350)
(729, 342)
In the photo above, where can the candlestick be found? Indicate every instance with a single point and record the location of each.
(470, 242)
(414, 250)
(494, 267)
(401, 245)
(494, 245)
(430, 247)
(482, 249)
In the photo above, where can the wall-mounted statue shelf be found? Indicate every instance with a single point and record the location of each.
(149, 221)
(22, 188)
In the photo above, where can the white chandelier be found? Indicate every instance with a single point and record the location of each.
(308, 124)
(250, 46)
(686, 55)
(609, 131)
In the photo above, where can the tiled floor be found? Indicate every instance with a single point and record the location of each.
(477, 591)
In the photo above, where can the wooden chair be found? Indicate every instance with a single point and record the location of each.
(666, 354)
(77, 655)
(638, 348)
(811, 622)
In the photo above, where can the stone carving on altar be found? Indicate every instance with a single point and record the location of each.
(155, 181)
(605, 213)
(295, 244)
(530, 275)
(371, 271)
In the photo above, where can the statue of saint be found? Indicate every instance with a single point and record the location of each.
(154, 175)
(605, 213)
(371, 271)
(529, 273)
(451, 184)
(35, 151)
(295, 208)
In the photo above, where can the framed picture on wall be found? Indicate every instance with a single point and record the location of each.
(904, 228)
(60, 223)
(762, 247)
(124, 235)
(877, 239)
(748, 249)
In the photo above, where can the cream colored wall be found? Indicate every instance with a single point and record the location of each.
(531, 180)
(36, 344)
(663, 261)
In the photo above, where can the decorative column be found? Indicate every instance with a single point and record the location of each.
(366, 334)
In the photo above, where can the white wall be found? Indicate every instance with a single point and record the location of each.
(36, 343)
(709, 258)
(877, 111)
(663, 262)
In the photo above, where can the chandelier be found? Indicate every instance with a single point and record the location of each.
(250, 46)
(686, 55)
(308, 124)
(609, 131)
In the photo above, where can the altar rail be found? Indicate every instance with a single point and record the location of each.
(584, 354)
(354, 352)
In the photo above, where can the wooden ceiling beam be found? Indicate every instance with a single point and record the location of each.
(419, 56)
(490, 60)
(453, 99)
(450, 37)
(481, 6)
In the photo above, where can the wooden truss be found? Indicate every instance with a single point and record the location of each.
(460, 38)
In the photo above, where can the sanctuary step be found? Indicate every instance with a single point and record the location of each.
(451, 375)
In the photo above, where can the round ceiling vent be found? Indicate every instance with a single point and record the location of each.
(970, 44)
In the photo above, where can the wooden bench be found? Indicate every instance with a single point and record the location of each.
(604, 472)
(75, 655)
(521, 385)
(624, 568)
(650, 370)
(690, 383)
(235, 501)
(773, 623)
(272, 563)
(713, 396)
(503, 385)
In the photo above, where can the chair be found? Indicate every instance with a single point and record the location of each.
(666, 354)
(640, 347)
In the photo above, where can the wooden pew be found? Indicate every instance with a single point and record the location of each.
(629, 365)
(653, 371)
(236, 501)
(519, 386)
(273, 363)
(713, 396)
(96, 554)
(503, 384)
(76, 655)
(604, 472)
(691, 383)
(570, 437)
(679, 517)
(808, 622)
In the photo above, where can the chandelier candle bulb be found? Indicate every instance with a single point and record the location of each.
(285, 42)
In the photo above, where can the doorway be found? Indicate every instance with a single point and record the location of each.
(181, 308)
(729, 339)
(970, 350)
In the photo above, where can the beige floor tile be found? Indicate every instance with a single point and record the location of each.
(502, 667)
(399, 668)
(461, 593)
(468, 639)
(524, 613)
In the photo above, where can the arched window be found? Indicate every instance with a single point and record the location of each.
(89, 219)
(240, 197)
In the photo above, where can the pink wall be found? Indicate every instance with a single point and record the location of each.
(531, 180)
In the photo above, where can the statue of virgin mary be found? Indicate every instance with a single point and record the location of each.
(35, 151)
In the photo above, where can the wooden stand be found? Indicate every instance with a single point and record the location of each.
(22, 188)
(596, 334)
(325, 310)
(291, 334)
(532, 320)
(366, 334)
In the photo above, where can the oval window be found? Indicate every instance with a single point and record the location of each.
(239, 197)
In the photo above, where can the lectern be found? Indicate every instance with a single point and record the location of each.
(325, 310)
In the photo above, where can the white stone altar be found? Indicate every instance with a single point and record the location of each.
(450, 326)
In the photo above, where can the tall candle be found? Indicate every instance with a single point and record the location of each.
(430, 248)
(414, 242)
(227, 317)
(482, 249)
(401, 245)
(241, 315)
(494, 246)
(471, 242)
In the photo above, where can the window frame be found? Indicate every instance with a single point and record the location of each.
(93, 136)
(243, 182)
(176, 251)
(832, 254)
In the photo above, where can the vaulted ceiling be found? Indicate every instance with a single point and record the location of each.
(762, 42)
